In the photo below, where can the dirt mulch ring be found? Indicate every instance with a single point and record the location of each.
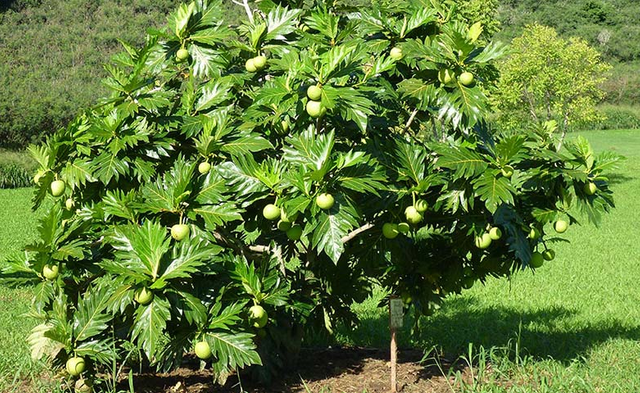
(350, 370)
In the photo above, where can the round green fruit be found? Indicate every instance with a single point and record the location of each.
(325, 201)
(404, 227)
(413, 215)
(143, 296)
(466, 78)
(590, 188)
(75, 366)
(483, 241)
(83, 386)
(315, 109)
(180, 231)
(421, 206)
(446, 77)
(203, 351)
(507, 171)
(57, 188)
(495, 233)
(271, 212)
(549, 255)
(258, 316)
(50, 272)
(390, 231)
(294, 232)
(314, 93)
(537, 260)
(396, 53)
(467, 282)
(260, 62)
(561, 226)
(69, 203)
(204, 167)
(182, 54)
(250, 66)
(534, 233)
(284, 225)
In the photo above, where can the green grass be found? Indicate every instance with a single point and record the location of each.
(17, 229)
(573, 326)
(577, 317)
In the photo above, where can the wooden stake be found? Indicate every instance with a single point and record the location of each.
(395, 322)
(394, 360)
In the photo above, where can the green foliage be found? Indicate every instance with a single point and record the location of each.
(615, 117)
(608, 25)
(14, 176)
(56, 51)
(394, 131)
(549, 78)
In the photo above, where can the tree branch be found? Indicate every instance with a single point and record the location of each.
(356, 232)
(245, 4)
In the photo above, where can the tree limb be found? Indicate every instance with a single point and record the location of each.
(356, 232)
(245, 4)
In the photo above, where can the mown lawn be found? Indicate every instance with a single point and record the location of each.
(576, 320)
(573, 326)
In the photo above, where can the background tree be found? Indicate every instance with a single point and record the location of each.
(549, 78)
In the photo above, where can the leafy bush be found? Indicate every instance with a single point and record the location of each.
(14, 176)
(616, 117)
(240, 186)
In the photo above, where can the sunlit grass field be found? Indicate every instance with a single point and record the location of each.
(573, 326)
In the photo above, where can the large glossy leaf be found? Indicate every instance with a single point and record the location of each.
(150, 322)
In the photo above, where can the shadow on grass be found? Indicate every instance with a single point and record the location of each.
(543, 333)
(619, 178)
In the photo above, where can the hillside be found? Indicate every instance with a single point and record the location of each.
(54, 50)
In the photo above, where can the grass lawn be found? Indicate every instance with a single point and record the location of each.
(573, 326)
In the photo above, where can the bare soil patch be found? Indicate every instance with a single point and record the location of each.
(339, 370)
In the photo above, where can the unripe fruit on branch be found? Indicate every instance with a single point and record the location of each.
(421, 206)
(549, 255)
(561, 226)
(203, 351)
(314, 93)
(260, 62)
(483, 241)
(537, 260)
(204, 167)
(57, 188)
(75, 366)
(50, 272)
(403, 227)
(182, 54)
(258, 316)
(413, 215)
(495, 233)
(180, 231)
(250, 66)
(390, 231)
(294, 232)
(590, 188)
(396, 53)
(325, 201)
(315, 109)
(143, 296)
(271, 212)
(466, 78)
